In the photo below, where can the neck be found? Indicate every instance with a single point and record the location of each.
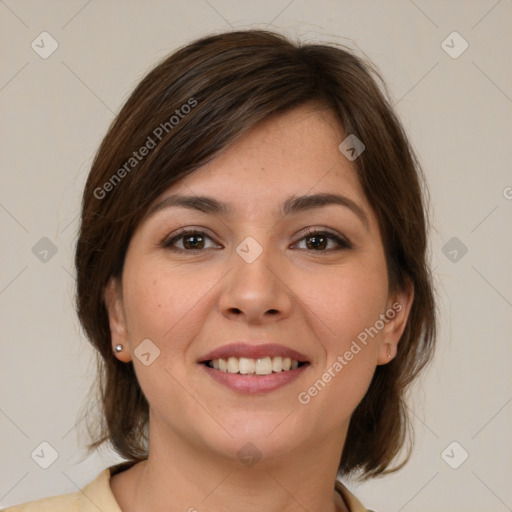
(180, 477)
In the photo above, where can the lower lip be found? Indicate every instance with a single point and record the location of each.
(254, 384)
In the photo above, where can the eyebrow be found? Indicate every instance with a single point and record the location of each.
(294, 204)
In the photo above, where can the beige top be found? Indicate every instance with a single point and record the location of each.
(97, 495)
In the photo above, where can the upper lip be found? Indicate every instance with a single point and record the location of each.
(252, 351)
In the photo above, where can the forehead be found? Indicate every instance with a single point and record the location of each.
(293, 153)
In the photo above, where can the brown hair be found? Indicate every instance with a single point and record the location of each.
(229, 82)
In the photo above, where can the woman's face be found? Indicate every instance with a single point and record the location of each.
(268, 255)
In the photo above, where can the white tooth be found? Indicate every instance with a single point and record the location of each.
(247, 365)
(233, 365)
(261, 366)
(264, 366)
(277, 364)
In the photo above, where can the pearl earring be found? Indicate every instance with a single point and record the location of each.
(119, 348)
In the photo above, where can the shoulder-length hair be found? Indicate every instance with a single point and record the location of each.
(189, 108)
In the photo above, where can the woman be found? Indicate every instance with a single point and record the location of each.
(251, 268)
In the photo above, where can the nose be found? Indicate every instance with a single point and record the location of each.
(255, 292)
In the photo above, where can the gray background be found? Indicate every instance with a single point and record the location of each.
(457, 111)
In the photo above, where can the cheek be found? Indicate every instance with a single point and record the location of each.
(165, 303)
(346, 304)
(346, 300)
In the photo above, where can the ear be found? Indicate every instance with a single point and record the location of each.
(113, 297)
(397, 314)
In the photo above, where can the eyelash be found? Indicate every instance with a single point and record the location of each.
(342, 242)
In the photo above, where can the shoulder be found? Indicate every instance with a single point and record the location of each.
(351, 501)
(60, 503)
(95, 496)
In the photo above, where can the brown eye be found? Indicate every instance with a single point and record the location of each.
(190, 241)
(322, 241)
(317, 242)
(193, 242)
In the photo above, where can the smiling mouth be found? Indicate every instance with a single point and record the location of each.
(260, 366)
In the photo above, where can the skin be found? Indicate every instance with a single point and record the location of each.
(315, 300)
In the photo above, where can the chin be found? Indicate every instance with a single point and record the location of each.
(262, 436)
